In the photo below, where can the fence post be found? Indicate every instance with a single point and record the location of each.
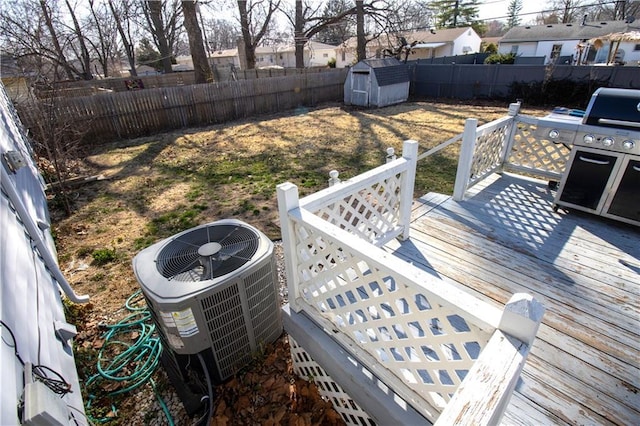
(391, 154)
(466, 157)
(409, 153)
(288, 200)
(333, 177)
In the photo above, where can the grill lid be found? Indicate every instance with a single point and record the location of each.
(612, 107)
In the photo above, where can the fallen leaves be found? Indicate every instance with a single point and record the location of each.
(270, 394)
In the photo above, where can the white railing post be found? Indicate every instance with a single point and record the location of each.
(466, 157)
(483, 396)
(521, 318)
(409, 153)
(333, 177)
(514, 110)
(288, 200)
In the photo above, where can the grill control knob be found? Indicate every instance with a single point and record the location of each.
(553, 134)
(628, 144)
(608, 141)
(588, 138)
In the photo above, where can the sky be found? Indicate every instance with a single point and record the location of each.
(492, 9)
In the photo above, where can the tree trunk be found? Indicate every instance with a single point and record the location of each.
(299, 37)
(361, 49)
(249, 50)
(201, 65)
(155, 12)
(62, 61)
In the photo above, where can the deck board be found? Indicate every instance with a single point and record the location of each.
(505, 238)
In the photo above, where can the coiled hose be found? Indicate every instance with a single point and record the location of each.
(133, 363)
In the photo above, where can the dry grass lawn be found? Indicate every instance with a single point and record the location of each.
(157, 186)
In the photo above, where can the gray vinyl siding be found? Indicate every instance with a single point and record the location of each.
(30, 301)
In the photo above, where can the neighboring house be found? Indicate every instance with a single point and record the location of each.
(34, 329)
(13, 78)
(226, 57)
(281, 56)
(570, 40)
(428, 44)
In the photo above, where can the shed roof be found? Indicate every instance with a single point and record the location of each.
(388, 71)
(570, 31)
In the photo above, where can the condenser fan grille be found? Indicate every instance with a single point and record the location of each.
(207, 253)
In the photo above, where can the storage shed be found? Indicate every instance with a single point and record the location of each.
(377, 82)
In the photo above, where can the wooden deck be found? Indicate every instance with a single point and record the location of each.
(505, 238)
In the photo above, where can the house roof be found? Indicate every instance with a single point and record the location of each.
(570, 31)
(387, 70)
(225, 53)
(446, 35)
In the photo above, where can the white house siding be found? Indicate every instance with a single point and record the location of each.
(30, 298)
(523, 49)
(468, 42)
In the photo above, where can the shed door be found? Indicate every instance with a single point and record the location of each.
(360, 88)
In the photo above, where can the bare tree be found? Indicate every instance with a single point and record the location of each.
(255, 18)
(102, 36)
(43, 42)
(309, 20)
(201, 65)
(221, 33)
(62, 60)
(154, 14)
(83, 54)
(122, 18)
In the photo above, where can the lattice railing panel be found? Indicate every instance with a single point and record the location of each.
(536, 154)
(424, 341)
(305, 367)
(487, 156)
(371, 213)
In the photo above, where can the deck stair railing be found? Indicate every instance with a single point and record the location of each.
(444, 353)
(512, 143)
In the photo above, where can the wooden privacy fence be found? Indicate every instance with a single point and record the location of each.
(143, 112)
(221, 73)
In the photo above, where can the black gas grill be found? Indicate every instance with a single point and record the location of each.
(603, 173)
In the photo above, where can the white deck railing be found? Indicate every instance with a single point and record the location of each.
(435, 346)
(510, 143)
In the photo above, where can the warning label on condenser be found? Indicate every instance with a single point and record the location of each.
(185, 322)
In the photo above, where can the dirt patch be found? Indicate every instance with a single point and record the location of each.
(160, 185)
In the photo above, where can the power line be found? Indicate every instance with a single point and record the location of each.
(602, 3)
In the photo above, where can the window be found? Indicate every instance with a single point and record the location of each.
(325, 55)
(514, 49)
(555, 51)
(344, 56)
(636, 48)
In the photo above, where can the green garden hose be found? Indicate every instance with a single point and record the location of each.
(133, 363)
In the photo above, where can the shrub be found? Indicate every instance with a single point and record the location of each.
(500, 58)
(103, 256)
(332, 63)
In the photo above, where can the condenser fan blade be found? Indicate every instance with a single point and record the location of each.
(207, 253)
